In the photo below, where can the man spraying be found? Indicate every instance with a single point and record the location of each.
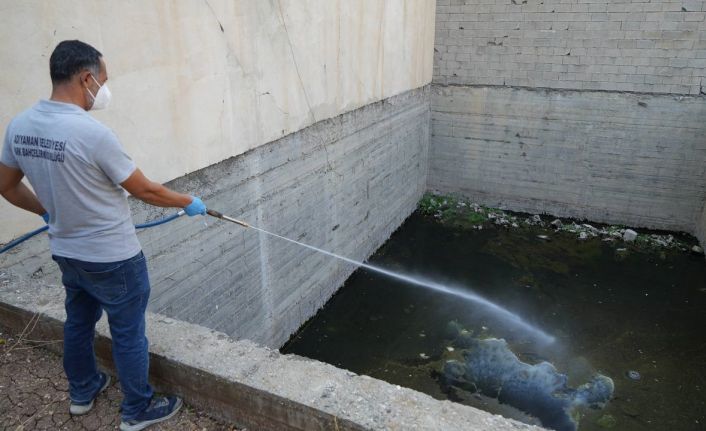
(80, 173)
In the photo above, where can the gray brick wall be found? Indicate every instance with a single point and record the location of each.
(343, 184)
(608, 157)
(623, 45)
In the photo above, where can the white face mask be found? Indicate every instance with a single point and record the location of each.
(101, 99)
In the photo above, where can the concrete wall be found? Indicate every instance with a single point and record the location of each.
(625, 45)
(195, 83)
(576, 108)
(611, 157)
(343, 184)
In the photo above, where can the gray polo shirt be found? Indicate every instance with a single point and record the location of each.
(75, 165)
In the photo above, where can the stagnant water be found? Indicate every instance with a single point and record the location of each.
(610, 312)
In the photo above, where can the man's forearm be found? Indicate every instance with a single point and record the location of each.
(154, 193)
(21, 196)
(161, 196)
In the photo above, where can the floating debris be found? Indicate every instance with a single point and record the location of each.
(464, 214)
(629, 235)
(633, 375)
(423, 356)
(591, 229)
(607, 421)
(489, 366)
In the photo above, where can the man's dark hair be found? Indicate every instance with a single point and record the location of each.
(71, 57)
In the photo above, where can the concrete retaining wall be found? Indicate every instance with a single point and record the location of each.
(609, 157)
(343, 184)
(656, 46)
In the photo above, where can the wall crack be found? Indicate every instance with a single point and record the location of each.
(294, 60)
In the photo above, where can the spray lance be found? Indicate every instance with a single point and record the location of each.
(470, 296)
(216, 214)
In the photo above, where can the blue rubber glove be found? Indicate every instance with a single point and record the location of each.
(196, 207)
(45, 216)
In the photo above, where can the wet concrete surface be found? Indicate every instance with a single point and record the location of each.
(34, 395)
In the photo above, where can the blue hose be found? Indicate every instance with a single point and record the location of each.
(22, 239)
(29, 235)
(160, 221)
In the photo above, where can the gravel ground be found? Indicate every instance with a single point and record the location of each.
(34, 395)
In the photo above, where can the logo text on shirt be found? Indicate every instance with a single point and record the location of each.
(38, 147)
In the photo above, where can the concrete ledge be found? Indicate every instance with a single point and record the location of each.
(249, 385)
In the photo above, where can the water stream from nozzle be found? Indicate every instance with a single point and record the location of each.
(469, 296)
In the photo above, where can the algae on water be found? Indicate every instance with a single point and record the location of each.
(461, 213)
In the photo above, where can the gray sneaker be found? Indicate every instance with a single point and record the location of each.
(160, 409)
(78, 409)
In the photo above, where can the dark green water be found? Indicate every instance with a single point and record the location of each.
(611, 312)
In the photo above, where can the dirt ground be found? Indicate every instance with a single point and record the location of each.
(34, 395)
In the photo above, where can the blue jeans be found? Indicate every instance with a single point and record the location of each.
(122, 290)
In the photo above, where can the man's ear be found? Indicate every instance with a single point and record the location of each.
(84, 78)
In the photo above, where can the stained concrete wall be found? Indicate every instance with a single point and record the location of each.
(610, 157)
(195, 83)
(656, 46)
(343, 184)
(587, 109)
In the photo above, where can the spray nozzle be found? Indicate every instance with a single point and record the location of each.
(216, 214)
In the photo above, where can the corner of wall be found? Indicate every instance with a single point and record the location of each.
(701, 228)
